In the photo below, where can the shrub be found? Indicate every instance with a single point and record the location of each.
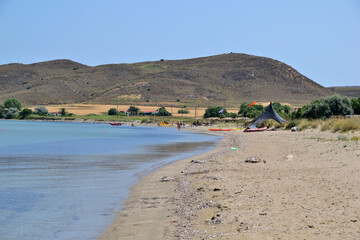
(339, 105)
(232, 115)
(355, 104)
(183, 111)
(12, 113)
(112, 111)
(41, 110)
(25, 112)
(328, 106)
(163, 112)
(2, 111)
(12, 103)
(215, 112)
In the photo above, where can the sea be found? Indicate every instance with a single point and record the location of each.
(68, 180)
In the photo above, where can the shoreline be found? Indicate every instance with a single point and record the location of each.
(147, 211)
(294, 189)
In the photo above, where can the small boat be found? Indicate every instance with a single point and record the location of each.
(255, 129)
(220, 129)
(115, 124)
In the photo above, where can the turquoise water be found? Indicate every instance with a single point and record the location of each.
(67, 180)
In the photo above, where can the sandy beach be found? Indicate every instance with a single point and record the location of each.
(277, 185)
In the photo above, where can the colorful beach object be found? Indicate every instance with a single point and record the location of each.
(255, 129)
(220, 129)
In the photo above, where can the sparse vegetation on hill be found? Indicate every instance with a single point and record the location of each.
(205, 81)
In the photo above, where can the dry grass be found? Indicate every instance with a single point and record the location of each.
(333, 125)
(345, 125)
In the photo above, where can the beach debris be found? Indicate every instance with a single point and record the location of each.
(215, 220)
(253, 160)
(353, 220)
(243, 227)
(289, 158)
(196, 161)
(217, 189)
(234, 148)
(195, 172)
(294, 129)
(166, 179)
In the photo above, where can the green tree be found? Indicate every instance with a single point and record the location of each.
(163, 112)
(133, 110)
(339, 105)
(112, 111)
(2, 111)
(355, 104)
(327, 106)
(12, 103)
(63, 112)
(252, 111)
(41, 110)
(317, 109)
(215, 112)
(25, 112)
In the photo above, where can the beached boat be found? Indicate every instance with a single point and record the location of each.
(115, 124)
(255, 129)
(220, 129)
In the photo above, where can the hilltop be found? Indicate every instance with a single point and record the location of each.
(203, 81)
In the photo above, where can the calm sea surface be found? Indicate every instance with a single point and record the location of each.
(67, 180)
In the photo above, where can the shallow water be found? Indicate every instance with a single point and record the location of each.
(67, 180)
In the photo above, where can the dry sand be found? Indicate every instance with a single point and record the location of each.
(305, 186)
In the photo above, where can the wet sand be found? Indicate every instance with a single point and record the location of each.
(304, 185)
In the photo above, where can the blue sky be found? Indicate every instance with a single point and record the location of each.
(321, 39)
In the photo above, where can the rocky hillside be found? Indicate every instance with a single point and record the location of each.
(208, 80)
(349, 91)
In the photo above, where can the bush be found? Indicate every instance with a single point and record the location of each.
(12, 113)
(355, 104)
(25, 113)
(12, 103)
(326, 107)
(215, 112)
(2, 111)
(112, 111)
(339, 105)
(41, 110)
(182, 111)
(163, 112)
(232, 115)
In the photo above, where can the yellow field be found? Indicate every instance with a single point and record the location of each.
(83, 109)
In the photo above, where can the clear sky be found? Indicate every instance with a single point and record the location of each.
(321, 39)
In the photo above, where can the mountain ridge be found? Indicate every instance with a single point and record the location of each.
(208, 80)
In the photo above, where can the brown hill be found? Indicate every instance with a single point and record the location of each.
(349, 91)
(203, 81)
